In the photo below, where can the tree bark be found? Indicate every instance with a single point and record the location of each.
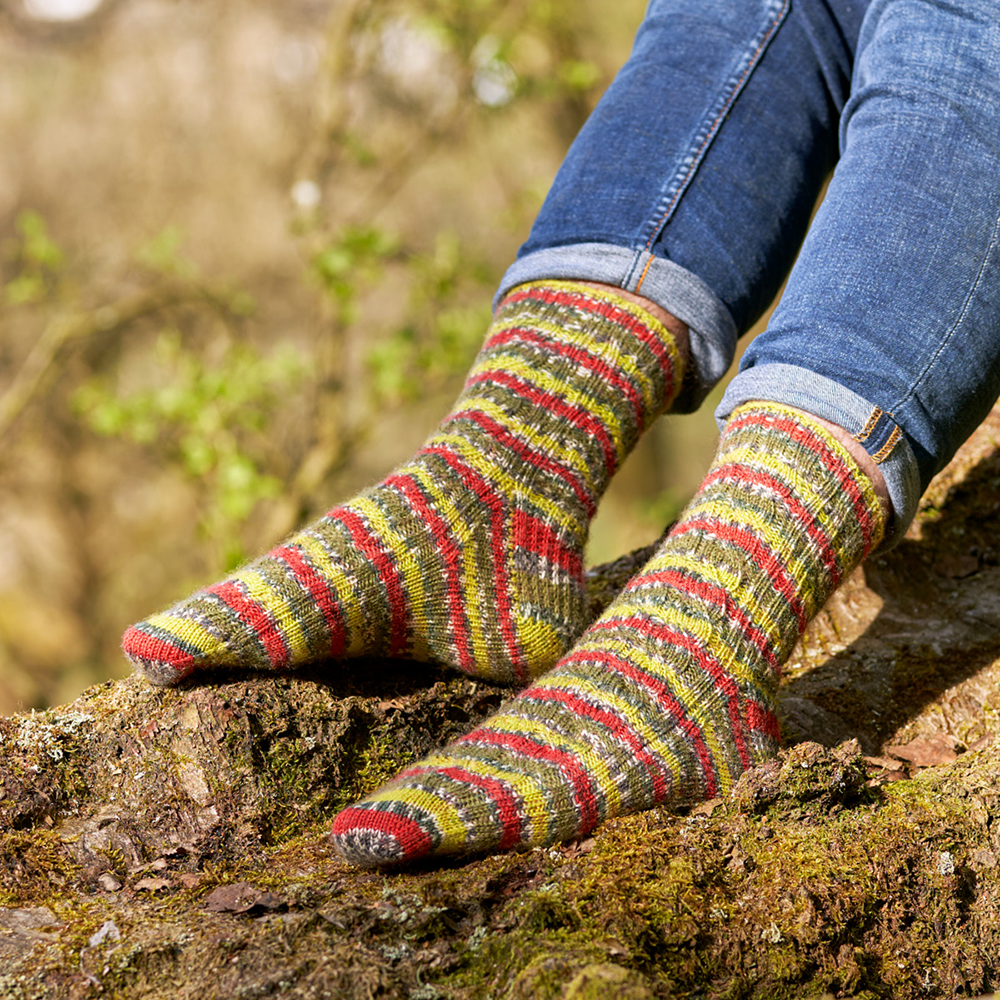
(172, 843)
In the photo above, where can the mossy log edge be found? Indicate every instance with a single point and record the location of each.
(172, 843)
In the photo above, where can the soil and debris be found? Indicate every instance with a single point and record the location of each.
(172, 843)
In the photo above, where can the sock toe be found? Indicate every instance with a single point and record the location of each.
(374, 838)
(167, 647)
(161, 661)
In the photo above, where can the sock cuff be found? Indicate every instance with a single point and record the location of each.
(616, 326)
(803, 430)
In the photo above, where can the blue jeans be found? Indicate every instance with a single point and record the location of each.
(693, 181)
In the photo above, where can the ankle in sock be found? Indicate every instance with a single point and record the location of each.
(470, 554)
(669, 696)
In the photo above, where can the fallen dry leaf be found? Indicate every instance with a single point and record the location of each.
(941, 748)
(889, 763)
(151, 884)
(241, 897)
(706, 808)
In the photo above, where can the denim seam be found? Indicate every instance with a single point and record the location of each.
(919, 380)
(862, 434)
(879, 456)
(883, 453)
(710, 134)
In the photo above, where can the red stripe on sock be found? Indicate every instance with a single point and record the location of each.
(757, 553)
(535, 536)
(713, 595)
(530, 455)
(254, 615)
(411, 837)
(497, 791)
(497, 508)
(451, 557)
(581, 300)
(595, 365)
(576, 415)
(617, 726)
(320, 591)
(569, 764)
(762, 720)
(372, 548)
(148, 647)
(664, 697)
(742, 475)
(723, 681)
(803, 435)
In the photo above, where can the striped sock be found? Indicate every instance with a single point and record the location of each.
(669, 696)
(471, 554)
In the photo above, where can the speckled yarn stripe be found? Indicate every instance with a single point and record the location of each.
(669, 696)
(470, 554)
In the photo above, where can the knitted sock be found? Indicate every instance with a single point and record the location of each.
(471, 554)
(669, 696)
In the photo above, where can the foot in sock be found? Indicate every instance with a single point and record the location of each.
(669, 696)
(471, 554)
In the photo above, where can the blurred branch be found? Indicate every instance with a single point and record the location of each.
(64, 330)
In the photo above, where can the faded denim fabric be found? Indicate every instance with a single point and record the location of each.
(693, 181)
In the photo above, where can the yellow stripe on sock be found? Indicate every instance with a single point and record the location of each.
(545, 444)
(277, 605)
(740, 590)
(533, 800)
(506, 486)
(661, 669)
(446, 817)
(624, 363)
(522, 725)
(342, 584)
(189, 631)
(561, 389)
(413, 573)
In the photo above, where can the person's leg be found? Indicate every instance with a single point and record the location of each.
(889, 330)
(693, 181)
(471, 554)
(669, 696)
(890, 324)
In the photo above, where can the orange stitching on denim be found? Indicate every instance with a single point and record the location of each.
(645, 271)
(883, 452)
(708, 138)
(869, 427)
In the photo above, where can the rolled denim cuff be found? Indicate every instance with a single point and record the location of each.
(876, 431)
(711, 329)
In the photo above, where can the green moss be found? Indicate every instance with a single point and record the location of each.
(34, 867)
(382, 759)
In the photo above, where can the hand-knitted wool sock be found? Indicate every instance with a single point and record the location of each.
(471, 554)
(669, 696)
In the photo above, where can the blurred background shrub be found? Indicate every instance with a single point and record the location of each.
(247, 250)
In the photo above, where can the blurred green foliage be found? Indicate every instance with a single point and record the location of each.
(349, 260)
(439, 338)
(36, 258)
(207, 419)
(245, 259)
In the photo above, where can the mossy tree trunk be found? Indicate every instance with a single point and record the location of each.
(173, 843)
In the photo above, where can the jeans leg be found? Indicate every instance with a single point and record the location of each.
(890, 324)
(693, 181)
